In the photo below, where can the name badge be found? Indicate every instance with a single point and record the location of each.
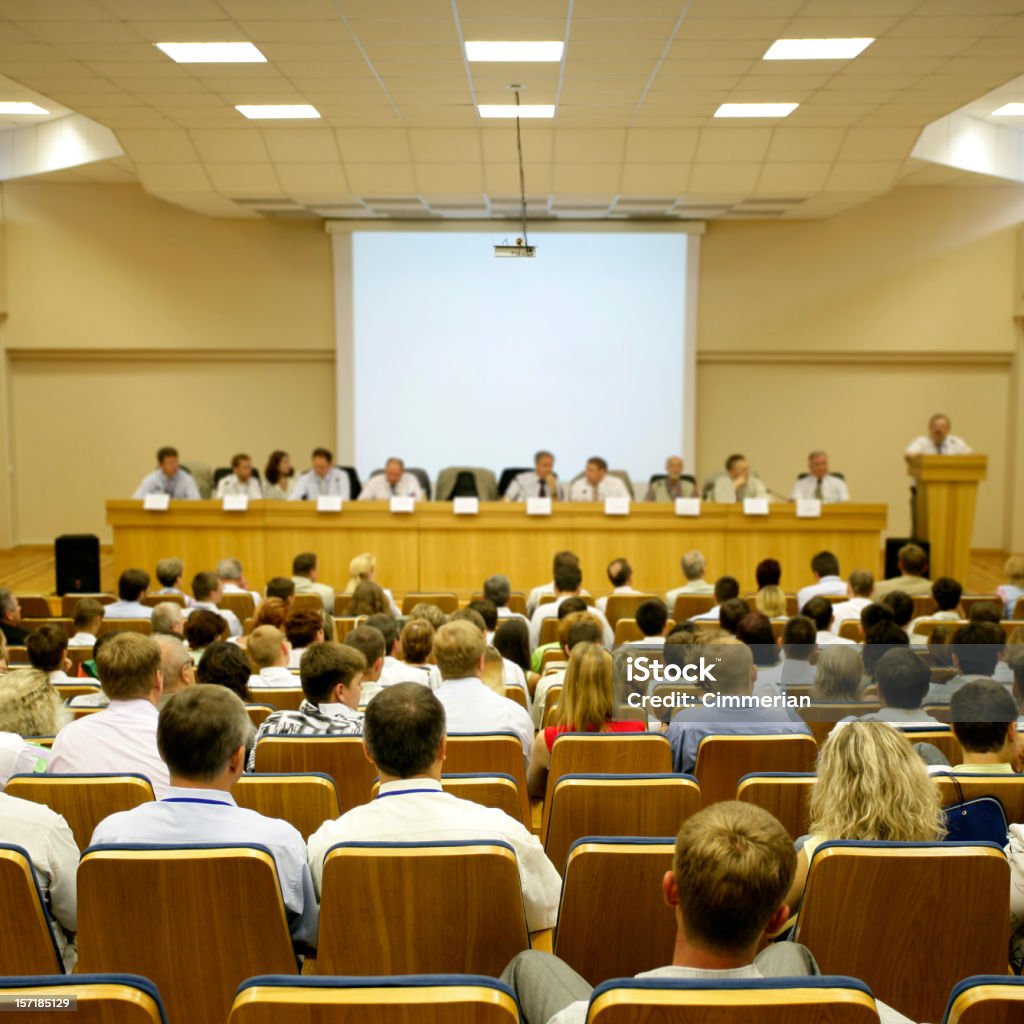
(808, 508)
(236, 503)
(687, 506)
(466, 506)
(616, 506)
(328, 503)
(538, 506)
(755, 506)
(156, 502)
(402, 504)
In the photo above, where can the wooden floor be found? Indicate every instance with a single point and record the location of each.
(29, 569)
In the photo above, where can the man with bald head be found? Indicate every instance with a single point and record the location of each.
(818, 483)
(672, 485)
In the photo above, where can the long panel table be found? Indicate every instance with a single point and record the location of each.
(434, 549)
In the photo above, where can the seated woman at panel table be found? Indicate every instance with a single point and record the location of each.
(278, 476)
(586, 705)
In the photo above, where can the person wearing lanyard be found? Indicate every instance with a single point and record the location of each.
(202, 735)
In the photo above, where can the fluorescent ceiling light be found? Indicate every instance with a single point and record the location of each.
(756, 109)
(276, 111)
(510, 110)
(816, 49)
(1009, 110)
(22, 109)
(514, 51)
(212, 53)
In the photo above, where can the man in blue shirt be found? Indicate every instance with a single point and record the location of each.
(169, 479)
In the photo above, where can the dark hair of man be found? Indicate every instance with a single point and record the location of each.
(947, 592)
(913, 559)
(280, 587)
(403, 729)
(977, 647)
(487, 611)
(302, 626)
(824, 563)
(86, 612)
(819, 610)
(166, 453)
(542, 454)
(303, 564)
(237, 460)
(563, 558)
(199, 729)
(225, 664)
(768, 573)
(726, 588)
(755, 630)
(272, 474)
(387, 626)
(651, 617)
(325, 666)
(512, 642)
(986, 611)
(46, 647)
(798, 638)
(902, 605)
(571, 605)
(982, 711)
(596, 460)
(903, 678)
(730, 613)
(132, 584)
(323, 453)
(568, 579)
(497, 590)
(368, 641)
(202, 627)
(204, 584)
(733, 459)
(872, 615)
(619, 571)
(880, 639)
(168, 570)
(470, 615)
(585, 630)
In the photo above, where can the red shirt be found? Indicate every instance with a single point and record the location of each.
(556, 730)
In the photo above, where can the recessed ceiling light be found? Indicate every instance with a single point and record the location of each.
(22, 109)
(511, 110)
(276, 111)
(1009, 110)
(212, 53)
(756, 109)
(514, 51)
(816, 49)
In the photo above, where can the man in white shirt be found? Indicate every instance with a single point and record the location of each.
(370, 643)
(541, 483)
(168, 617)
(131, 588)
(819, 611)
(304, 577)
(122, 738)
(620, 576)
(240, 482)
(176, 664)
(498, 590)
(405, 737)
(394, 482)
(568, 581)
(859, 586)
(829, 583)
(171, 574)
(207, 591)
(946, 592)
(269, 653)
(694, 566)
(232, 578)
(323, 479)
(202, 735)
(727, 588)
(938, 440)
(818, 483)
(561, 558)
(902, 679)
(169, 479)
(596, 484)
(737, 483)
(470, 706)
(87, 619)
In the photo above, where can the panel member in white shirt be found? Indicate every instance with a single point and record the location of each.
(829, 583)
(240, 482)
(323, 479)
(87, 619)
(469, 704)
(405, 737)
(568, 580)
(169, 479)
(232, 578)
(121, 738)
(819, 483)
(561, 558)
(541, 483)
(394, 482)
(170, 572)
(596, 484)
(202, 735)
(207, 590)
(694, 566)
(620, 576)
(819, 611)
(269, 653)
(859, 586)
(131, 588)
(737, 483)
(938, 440)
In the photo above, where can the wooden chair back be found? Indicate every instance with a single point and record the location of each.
(1018, 609)
(625, 874)
(995, 999)
(941, 737)
(68, 602)
(344, 625)
(34, 606)
(143, 626)
(83, 800)
(926, 627)
(616, 805)
(68, 691)
(284, 698)
(924, 604)
(516, 601)
(307, 603)
(517, 695)
(624, 606)
(341, 603)
(305, 800)
(723, 760)
(340, 757)
(821, 718)
(99, 998)
(67, 625)
(556, 656)
(872, 887)
(27, 945)
(689, 605)
(549, 631)
(259, 713)
(241, 604)
(152, 600)
(137, 912)
(1007, 789)
(490, 754)
(786, 795)
(17, 655)
(406, 889)
(447, 601)
(849, 629)
(552, 695)
(76, 655)
(968, 601)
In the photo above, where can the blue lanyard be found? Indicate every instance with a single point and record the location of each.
(192, 800)
(406, 792)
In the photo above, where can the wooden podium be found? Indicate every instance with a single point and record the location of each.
(947, 488)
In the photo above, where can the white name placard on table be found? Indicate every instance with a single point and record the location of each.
(808, 508)
(538, 506)
(466, 506)
(328, 503)
(687, 506)
(156, 502)
(404, 505)
(235, 503)
(616, 506)
(755, 506)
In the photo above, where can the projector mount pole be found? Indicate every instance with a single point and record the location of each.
(522, 174)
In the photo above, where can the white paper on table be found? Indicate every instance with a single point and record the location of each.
(755, 506)
(808, 508)
(328, 503)
(538, 506)
(616, 506)
(466, 506)
(156, 502)
(402, 504)
(687, 506)
(236, 503)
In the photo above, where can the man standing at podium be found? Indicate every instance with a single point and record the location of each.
(938, 440)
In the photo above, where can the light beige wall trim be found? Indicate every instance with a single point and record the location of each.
(162, 355)
(806, 357)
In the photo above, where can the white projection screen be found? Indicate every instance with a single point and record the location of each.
(451, 356)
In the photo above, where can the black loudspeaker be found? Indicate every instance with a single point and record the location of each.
(892, 550)
(77, 556)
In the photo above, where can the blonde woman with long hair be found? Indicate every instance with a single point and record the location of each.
(871, 785)
(587, 704)
(363, 569)
(771, 601)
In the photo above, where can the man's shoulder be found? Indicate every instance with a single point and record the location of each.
(30, 813)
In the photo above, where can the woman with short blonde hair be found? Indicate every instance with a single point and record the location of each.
(360, 570)
(29, 705)
(771, 601)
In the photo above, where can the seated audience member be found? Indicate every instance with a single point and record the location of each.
(405, 738)
(839, 674)
(170, 479)
(232, 578)
(985, 611)
(768, 573)
(512, 642)
(1012, 590)
(488, 612)
(859, 585)
(596, 483)
(305, 580)
(586, 705)
(871, 785)
(430, 612)
(673, 484)
(282, 588)
(87, 619)
(368, 599)
(168, 618)
(498, 590)
(176, 664)
(202, 735)
(170, 573)
(874, 614)
(797, 647)
(394, 482)
(363, 569)
(131, 589)
(208, 591)
(737, 483)
(393, 669)
(620, 576)
(575, 628)
(331, 675)
(902, 679)
(226, 665)
(734, 674)
(940, 646)
(731, 870)
(322, 480)
(818, 483)
(122, 737)
(541, 483)
(976, 650)
(303, 628)
(269, 655)
(570, 606)
(240, 481)
(278, 476)
(483, 616)
(902, 607)
(819, 611)
(772, 602)
(881, 638)
(568, 583)
(946, 592)
(561, 558)
(370, 643)
(202, 628)
(913, 564)
(493, 673)
(828, 582)
(48, 651)
(651, 618)
(10, 620)
(726, 588)
(730, 613)
(984, 719)
(469, 705)
(694, 566)
(29, 706)
(755, 630)
(417, 642)
(87, 670)
(272, 612)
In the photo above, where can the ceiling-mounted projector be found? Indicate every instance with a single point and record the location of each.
(519, 249)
